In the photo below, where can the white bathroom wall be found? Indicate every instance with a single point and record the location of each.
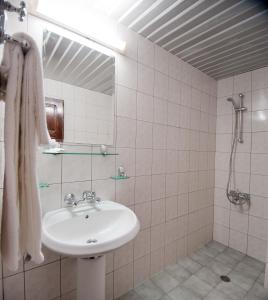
(245, 230)
(165, 137)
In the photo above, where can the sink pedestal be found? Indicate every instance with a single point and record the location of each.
(91, 278)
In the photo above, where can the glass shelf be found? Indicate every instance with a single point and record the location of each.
(120, 177)
(43, 185)
(76, 153)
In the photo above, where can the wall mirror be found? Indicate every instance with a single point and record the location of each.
(79, 83)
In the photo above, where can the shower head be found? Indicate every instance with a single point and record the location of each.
(233, 102)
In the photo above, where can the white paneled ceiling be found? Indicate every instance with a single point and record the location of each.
(219, 37)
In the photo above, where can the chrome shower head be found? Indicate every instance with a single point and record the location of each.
(233, 102)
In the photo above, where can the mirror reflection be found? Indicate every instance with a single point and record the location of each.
(79, 90)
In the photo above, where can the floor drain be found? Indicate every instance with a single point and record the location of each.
(225, 278)
(90, 241)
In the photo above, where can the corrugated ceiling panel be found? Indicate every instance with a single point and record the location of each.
(219, 37)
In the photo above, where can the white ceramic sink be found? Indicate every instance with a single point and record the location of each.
(89, 229)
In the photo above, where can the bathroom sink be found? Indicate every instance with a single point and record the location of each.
(89, 229)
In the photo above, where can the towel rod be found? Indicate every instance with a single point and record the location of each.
(21, 11)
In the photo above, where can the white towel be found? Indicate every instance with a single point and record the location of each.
(25, 122)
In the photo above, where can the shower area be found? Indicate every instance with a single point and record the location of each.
(233, 265)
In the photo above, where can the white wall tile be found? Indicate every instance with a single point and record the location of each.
(14, 287)
(145, 110)
(239, 221)
(158, 212)
(143, 162)
(258, 228)
(127, 72)
(161, 60)
(144, 137)
(260, 142)
(49, 168)
(221, 216)
(144, 213)
(142, 243)
(105, 189)
(258, 185)
(171, 207)
(242, 83)
(260, 99)
(145, 52)
(259, 207)
(126, 102)
(143, 189)
(157, 260)
(159, 162)
(259, 164)
(174, 91)
(160, 111)
(158, 186)
(159, 136)
(238, 241)
(81, 163)
(50, 198)
(260, 120)
(123, 280)
(43, 283)
(260, 78)
(141, 269)
(175, 67)
(225, 87)
(221, 234)
(68, 275)
(145, 79)
(126, 132)
(161, 85)
(124, 191)
(123, 255)
(257, 248)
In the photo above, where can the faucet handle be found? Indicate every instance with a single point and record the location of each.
(69, 199)
(88, 195)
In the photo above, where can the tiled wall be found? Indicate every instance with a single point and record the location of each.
(245, 230)
(165, 135)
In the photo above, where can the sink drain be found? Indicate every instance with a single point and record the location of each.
(225, 278)
(91, 241)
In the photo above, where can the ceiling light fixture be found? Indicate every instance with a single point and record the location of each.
(78, 17)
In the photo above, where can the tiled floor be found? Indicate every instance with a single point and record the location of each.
(198, 277)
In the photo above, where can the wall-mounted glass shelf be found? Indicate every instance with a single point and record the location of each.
(120, 177)
(51, 152)
(43, 185)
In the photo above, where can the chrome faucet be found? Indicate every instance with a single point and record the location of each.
(69, 199)
(90, 197)
(87, 196)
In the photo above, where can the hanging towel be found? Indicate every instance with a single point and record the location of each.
(25, 127)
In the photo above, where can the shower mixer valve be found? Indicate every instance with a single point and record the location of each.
(239, 197)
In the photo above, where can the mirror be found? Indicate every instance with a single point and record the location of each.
(79, 85)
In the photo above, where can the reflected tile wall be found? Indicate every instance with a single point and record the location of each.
(243, 229)
(166, 137)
